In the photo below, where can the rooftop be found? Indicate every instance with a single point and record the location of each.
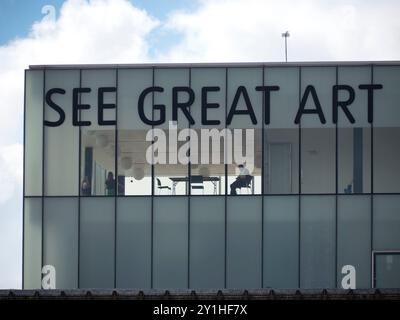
(219, 65)
(183, 294)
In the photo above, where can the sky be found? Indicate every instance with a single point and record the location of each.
(137, 31)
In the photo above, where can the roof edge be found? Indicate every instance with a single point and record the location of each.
(217, 64)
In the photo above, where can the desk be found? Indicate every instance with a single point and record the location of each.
(176, 180)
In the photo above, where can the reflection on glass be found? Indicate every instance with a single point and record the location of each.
(61, 143)
(134, 173)
(33, 133)
(354, 138)
(318, 160)
(317, 241)
(281, 161)
(354, 160)
(386, 160)
(97, 176)
(97, 163)
(387, 273)
(170, 174)
(354, 217)
(207, 164)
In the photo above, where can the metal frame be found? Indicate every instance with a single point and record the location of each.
(23, 190)
(152, 194)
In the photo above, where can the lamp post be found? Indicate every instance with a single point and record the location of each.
(286, 35)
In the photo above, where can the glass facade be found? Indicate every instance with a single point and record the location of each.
(320, 145)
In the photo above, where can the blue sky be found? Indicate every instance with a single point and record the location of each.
(17, 16)
(137, 31)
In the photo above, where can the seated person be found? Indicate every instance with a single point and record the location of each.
(242, 179)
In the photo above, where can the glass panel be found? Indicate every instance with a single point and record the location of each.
(169, 172)
(316, 86)
(60, 240)
(386, 160)
(245, 106)
(354, 238)
(386, 222)
(210, 84)
(317, 262)
(386, 100)
(250, 78)
(33, 132)
(318, 160)
(207, 242)
(134, 172)
(386, 130)
(284, 103)
(388, 270)
(96, 260)
(61, 143)
(134, 242)
(353, 77)
(281, 242)
(98, 140)
(170, 262)
(244, 242)
(209, 89)
(281, 161)
(32, 243)
(281, 141)
(354, 139)
(317, 145)
(354, 160)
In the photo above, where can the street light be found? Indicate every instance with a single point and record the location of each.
(286, 35)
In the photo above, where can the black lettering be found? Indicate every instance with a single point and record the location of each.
(102, 106)
(159, 107)
(241, 91)
(317, 110)
(76, 107)
(370, 88)
(206, 105)
(182, 105)
(267, 100)
(343, 104)
(56, 107)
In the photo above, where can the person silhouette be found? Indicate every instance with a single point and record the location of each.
(110, 184)
(241, 180)
(86, 189)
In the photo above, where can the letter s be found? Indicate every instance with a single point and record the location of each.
(56, 107)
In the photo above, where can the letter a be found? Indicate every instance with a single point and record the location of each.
(349, 280)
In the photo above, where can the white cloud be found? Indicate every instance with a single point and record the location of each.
(237, 30)
(11, 170)
(96, 31)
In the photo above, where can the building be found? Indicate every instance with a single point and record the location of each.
(323, 142)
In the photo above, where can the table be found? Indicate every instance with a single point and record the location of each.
(176, 180)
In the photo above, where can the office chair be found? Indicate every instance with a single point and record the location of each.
(198, 183)
(248, 185)
(161, 187)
